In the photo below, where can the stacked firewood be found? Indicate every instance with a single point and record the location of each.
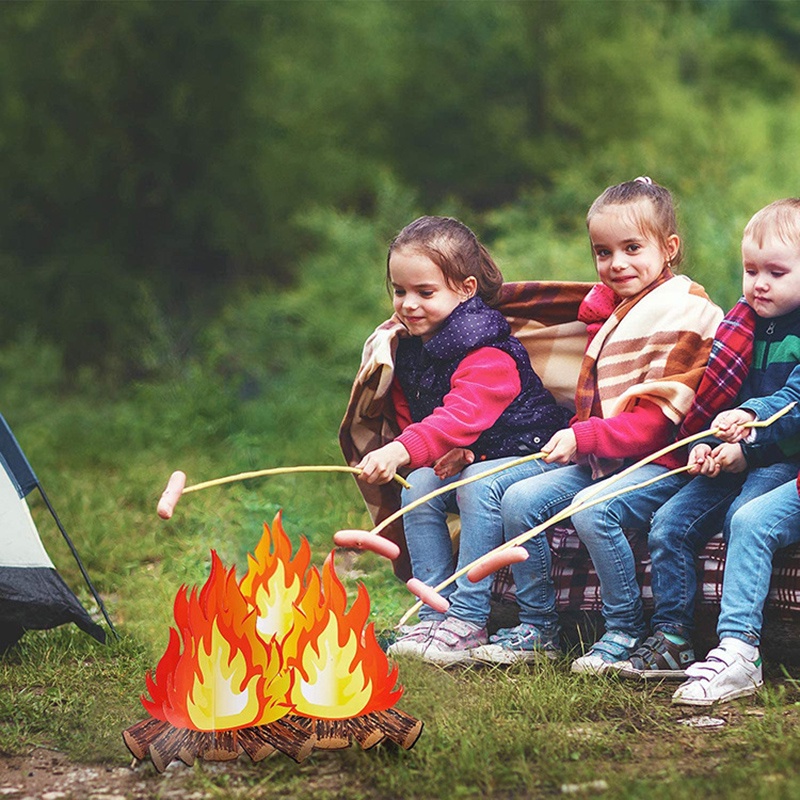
(292, 735)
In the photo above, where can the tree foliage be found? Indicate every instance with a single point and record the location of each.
(156, 155)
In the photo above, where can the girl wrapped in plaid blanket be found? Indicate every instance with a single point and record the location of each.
(460, 380)
(650, 334)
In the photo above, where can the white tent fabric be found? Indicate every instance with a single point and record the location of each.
(20, 545)
(32, 593)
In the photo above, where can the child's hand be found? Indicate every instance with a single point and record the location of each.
(701, 461)
(453, 462)
(730, 424)
(380, 465)
(730, 457)
(561, 448)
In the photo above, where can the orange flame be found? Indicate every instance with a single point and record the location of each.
(225, 675)
(341, 670)
(245, 654)
(274, 582)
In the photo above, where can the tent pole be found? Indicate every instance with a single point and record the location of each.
(77, 559)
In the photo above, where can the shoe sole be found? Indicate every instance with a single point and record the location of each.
(653, 674)
(705, 702)
(407, 651)
(506, 657)
(446, 659)
(587, 669)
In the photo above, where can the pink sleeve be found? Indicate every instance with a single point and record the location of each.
(402, 413)
(482, 387)
(632, 434)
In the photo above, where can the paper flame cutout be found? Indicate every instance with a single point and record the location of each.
(281, 641)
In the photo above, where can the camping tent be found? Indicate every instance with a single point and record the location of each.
(32, 593)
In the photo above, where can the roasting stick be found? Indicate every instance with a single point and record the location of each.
(176, 486)
(371, 540)
(511, 552)
(430, 595)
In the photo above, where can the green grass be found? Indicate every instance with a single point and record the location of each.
(266, 388)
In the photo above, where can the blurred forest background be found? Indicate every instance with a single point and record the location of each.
(197, 197)
(195, 206)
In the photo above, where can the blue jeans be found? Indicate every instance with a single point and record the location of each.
(600, 527)
(683, 526)
(757, 530)
(428, 537)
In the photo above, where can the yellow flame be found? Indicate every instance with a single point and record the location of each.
(224, 697)
(274, 603)
(329, 685)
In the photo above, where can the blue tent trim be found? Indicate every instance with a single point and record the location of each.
(36, 597)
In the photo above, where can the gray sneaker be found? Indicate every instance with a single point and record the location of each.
(453, 642)
(415, 640)
(524, 643)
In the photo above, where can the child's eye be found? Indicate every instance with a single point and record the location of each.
(602, 253)
(399, 292)
(634, 248)
(426, 292)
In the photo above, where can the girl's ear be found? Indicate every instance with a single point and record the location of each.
(470, 286)
(673, 244)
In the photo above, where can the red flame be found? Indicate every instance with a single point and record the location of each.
(217, 672)
(282, 640)
(341, 670)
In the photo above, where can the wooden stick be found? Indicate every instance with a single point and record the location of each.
(332, 734)
(360, 539)
(137, 738)
(254, 744)
(366, 731)
(290, 738)
(224, 746)
(450, 486)
(399, 727)
(243, 476)
(565, 513)
(176, 485)
(194, 744)
(590, 499)
(165, 747)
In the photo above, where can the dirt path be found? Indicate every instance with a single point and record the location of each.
(49, 775)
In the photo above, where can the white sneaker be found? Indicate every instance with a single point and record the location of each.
(724, 675)
(415, 640)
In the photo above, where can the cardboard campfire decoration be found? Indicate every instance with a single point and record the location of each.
(272, 662)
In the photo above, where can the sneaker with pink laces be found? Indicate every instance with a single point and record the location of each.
(415, 640)
(453, 642)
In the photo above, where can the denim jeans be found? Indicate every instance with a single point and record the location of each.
(683, 526)
(600, 527)
(428, 537)
(759, 528)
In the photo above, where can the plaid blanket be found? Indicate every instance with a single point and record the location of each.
(543, 315)
(628, 359)
(578, 587)
(728, 365)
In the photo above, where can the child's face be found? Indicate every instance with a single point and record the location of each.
(422, 297)
(771, 279)
(627, 260)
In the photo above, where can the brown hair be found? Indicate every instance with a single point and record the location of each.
(781, 218)
(656, 218)
(455, 249)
